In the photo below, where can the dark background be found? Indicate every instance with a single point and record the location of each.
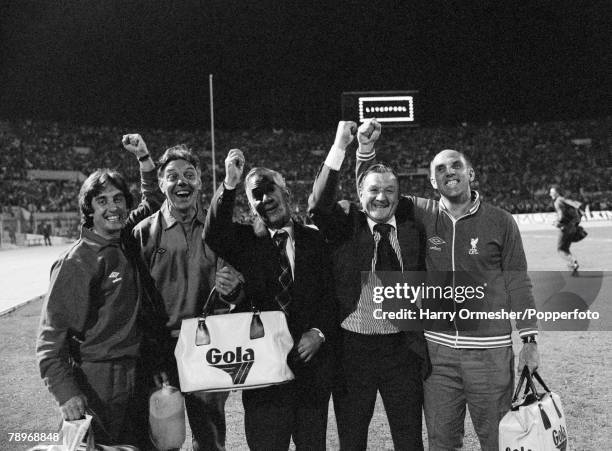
(285, 64)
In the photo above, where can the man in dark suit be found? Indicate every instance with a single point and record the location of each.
(286, 267)
(376, 355)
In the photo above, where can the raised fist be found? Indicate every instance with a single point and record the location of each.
(345, 134)
(234, 167)
(369, 132)
(134, 143)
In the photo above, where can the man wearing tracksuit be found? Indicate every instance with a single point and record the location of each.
(472, 361)
(91, 324)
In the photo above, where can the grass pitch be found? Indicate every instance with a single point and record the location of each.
(577, 365)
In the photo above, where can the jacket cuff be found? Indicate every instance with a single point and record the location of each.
(64, 391)
(335, 158)
(528, 332)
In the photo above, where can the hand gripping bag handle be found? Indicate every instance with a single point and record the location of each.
(530, 386)
(203, 334)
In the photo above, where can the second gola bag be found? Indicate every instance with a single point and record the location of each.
(537, 423)
(233, 351)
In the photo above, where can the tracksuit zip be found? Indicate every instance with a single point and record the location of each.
(454, 222)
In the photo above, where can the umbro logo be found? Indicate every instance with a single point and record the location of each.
(436, 242)
(115, 277)
(237, 363)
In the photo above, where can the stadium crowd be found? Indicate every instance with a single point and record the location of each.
(517, 162)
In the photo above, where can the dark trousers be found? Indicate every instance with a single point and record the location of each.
(564, 237)
(379, 363)
(110, 388)
(273, 415)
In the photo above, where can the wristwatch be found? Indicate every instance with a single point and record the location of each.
(319, 333)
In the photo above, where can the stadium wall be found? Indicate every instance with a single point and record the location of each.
(543, 221)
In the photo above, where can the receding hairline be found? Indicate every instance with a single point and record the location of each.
(382, 174)
(467, 161)
(275, 176)
(377, 168)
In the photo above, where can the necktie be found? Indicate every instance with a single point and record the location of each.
(386, 258)
(283, 298)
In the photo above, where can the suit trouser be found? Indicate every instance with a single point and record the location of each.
(481, 378)
(379, 363)
(273, 415)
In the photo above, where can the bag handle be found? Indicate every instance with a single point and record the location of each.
(538, 378)
(526, 376)
(203, 334)
(529, 385)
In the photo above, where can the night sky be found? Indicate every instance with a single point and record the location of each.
(285, 64)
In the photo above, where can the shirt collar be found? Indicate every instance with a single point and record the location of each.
(288, 228)
(371, 223)
(475, 198)
(171, 220)
(95, 240)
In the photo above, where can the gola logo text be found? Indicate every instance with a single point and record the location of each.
(560, 438)
(236, 363)
(214, 356)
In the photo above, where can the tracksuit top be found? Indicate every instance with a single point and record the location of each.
(482, 247)
(91, 311)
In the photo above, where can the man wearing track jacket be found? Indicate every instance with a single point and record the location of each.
(472, 361)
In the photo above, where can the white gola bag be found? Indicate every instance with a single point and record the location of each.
(233, 351)
(537, 423)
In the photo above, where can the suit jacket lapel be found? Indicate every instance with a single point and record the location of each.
(365, 245)
(302, 253)
(403, 234)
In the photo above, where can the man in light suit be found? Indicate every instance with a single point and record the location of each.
(285, 267)
(376, 355)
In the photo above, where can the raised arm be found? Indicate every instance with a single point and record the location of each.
(328, 215)
(152, 197)
(367, 135)
(220, 232)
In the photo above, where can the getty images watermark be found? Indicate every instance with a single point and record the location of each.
(435, 300)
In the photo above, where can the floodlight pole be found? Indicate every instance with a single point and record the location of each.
(212, 133)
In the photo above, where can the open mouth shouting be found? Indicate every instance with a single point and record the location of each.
(183, 194)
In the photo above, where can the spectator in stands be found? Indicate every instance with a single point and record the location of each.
(497, 149)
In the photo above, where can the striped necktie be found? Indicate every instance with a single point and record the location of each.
(386, 258)
(283, 298)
